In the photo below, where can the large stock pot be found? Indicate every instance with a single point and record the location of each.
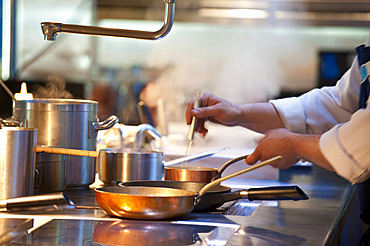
(65, 123)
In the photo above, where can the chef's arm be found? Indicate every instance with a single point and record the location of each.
(258, 117)
(292, 147)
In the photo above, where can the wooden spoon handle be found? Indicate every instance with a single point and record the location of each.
(62, 151)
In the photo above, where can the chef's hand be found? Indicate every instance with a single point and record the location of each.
(214, 109)
(276, 142)
(291, 146)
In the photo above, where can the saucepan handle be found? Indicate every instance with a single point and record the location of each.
(106, 124)
(96, 126)
(52, 200)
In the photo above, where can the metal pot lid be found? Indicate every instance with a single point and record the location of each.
(16, 128)
(131, 153)
(56, 105)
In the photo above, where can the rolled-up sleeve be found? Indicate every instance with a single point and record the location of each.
(333, 111)
(291, 113)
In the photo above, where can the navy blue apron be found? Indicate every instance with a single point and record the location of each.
(363, 189)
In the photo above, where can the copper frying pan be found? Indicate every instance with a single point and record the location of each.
(219, 194)
(155, 203)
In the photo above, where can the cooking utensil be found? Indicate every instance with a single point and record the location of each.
(51, 173)
(193, 124)
(64, 151)
(194, 157)
(90, 153)
(156, 202)
(197, 174)
(219, 194)
(17, 161)
(46, 201)
(137, 164)
(122, 164)
(128, 164)
(194, 120)
(66, 123)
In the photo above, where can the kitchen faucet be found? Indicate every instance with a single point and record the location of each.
(51, 29)
(145, 128)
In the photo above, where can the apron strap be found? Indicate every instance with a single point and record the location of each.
(363, 55)
(363, 189)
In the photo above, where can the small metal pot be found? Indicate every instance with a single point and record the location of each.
(197, 174)
(130, 164)
(17, 161)
(194, 174)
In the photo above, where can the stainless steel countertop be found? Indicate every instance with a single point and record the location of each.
(316, 221)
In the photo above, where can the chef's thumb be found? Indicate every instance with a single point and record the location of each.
(252, 158)
(203, 112)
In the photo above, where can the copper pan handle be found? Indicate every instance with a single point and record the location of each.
(217, 181)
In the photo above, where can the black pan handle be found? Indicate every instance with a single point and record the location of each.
(275, 193)
(292, 192)
(53, 200)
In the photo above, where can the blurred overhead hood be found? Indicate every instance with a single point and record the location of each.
(269, 12)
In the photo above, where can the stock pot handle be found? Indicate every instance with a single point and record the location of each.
(104, 125)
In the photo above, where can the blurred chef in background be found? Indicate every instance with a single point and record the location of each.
(329, 127)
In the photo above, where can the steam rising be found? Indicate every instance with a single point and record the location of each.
(54, 88)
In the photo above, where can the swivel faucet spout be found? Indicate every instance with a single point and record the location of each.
(51, 29)
(145, 128)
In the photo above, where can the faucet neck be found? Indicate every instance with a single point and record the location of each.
(51, 29)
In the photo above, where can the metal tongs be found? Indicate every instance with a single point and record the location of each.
(193, 125)
(194, 121)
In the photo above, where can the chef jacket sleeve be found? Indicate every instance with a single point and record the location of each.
(319, 110)
(347, 147)
(334, 112)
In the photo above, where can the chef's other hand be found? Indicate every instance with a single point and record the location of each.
(276, 142)
(214, 109)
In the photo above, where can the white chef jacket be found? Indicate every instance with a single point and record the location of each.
(333, 111)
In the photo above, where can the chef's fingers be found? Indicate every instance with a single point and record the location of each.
(207, 113)
(252, 158)
(188, 114)
(201, 127)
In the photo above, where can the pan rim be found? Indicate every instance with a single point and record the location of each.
(193, 168)
(146, 183)
(179, 192)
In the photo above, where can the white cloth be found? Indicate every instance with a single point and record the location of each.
(333, 111)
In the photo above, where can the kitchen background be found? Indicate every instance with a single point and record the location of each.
(246, 51)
